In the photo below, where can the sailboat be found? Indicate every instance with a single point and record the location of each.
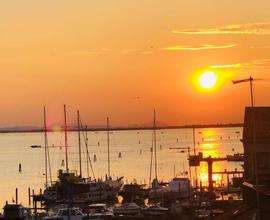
(176, 189)
(154, 191)
(155, 209)
(74, 188)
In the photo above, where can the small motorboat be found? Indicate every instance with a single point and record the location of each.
(14, 211)
(155, 210)
(97, 211)
(73, 213)
(236, 157)
(127, 209)
(35, 146)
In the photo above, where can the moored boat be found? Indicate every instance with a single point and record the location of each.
(84, 190)
(73, 213)
(98, 211)
(127, 209)
(15, 211)
(35, 146)
(155, 210)
(176, 189)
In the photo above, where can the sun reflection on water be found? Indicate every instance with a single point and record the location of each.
(209, 147)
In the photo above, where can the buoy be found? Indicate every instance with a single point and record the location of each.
(139, 142)
(20, 168)
(119, 155)
(63, 163)
(98, 143)
(95, 158)
(160, 147)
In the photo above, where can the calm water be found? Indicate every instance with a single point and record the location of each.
(133, 165)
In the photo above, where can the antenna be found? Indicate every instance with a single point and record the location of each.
(250, 80)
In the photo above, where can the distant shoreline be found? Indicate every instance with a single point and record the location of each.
(34, 130)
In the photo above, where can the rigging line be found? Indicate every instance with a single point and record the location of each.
(50, 168)
(52, 161)
(90, 162)
(49, 163)
(87, 151)
(86, 145)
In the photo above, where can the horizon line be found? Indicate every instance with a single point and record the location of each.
(119, 128)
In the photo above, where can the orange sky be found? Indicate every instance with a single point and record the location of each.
(98, 56)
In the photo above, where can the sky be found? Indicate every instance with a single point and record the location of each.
(123, 58)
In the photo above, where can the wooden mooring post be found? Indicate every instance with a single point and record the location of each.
(16, 196)
(33, 193)
(29, 196)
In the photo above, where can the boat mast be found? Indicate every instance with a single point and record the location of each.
(46, 143)
(79, 139)
(108, 141)
(65, 118)
(155, 144)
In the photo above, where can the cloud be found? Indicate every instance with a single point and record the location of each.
(93, 52)
(201, 47)
(259, 47)
(138, 51)
(147, 52)
(255, 64)
(249, 29)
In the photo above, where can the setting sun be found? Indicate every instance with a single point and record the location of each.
(208, 80)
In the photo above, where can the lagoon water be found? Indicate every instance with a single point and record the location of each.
(134, 163)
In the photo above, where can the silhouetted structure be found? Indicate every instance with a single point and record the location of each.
(256, 141)
(256, 188)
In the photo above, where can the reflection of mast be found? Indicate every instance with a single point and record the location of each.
(79, 139)
(151, 162)
(194, 151)
(87, 151)
(65, 118)
(46, 144)
(108, 141)
(155, 144)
